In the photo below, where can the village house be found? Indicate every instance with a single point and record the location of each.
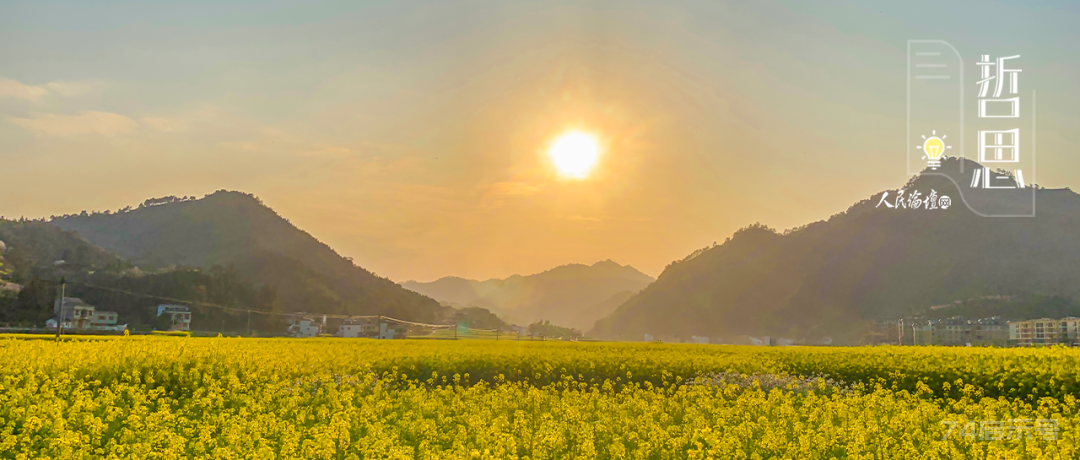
(78, 315)
(304, 327)
(372, 329)
(351, 329)
(180, 316)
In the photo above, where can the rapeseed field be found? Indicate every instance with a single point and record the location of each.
(233, 398)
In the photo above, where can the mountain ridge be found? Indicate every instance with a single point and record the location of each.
(828, 278)
(567, 294)
(229, 228)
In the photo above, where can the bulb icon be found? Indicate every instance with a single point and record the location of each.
(934, 148)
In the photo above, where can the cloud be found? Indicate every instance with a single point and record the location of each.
(167, 125)
(12, 88)
(90, 122)
(15, 89)
(69, 88)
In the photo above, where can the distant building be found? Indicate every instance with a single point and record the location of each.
(1045, 331)
(371, 329)
(922, 333)
(957, 331)
(887, 331)
(991, 331)
(388, 331)
(103, 318)
(180, 316)
(304, 327)
(765, 341)
(351, 330)
(78, 315)
(73, 313)
(698, 339)
(355, 329)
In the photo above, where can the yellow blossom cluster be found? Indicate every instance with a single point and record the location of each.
(230, 398)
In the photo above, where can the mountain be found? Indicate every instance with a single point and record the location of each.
(35, 248)
(588, 315)
(871, 262)
(236, 229)
(454, 290)
(35, 255)
(573, 295)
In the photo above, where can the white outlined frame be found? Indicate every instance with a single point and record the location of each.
(908, 148)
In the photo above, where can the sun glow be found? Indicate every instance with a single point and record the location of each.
(575, 153)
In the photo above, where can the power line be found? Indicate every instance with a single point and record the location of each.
(188, 302)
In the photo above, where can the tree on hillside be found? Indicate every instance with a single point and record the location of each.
(163, 322)
(474, 317)
(546, 329)
(33, 304)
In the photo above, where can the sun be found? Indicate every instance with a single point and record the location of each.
(575, 153)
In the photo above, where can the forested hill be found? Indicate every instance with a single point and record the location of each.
(37, 249)
(871, 262)
(232, 228)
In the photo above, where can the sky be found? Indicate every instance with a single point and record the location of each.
(412, 136)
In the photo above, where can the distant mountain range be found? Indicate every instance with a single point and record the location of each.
(236, 229)
(573, 295)
(828, 278)
(872, 262)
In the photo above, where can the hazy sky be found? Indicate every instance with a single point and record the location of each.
(411, 135)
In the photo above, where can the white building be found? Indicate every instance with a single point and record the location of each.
(386, 332)
(99, 319)
(764, 341)
(180, 316)
(78, 315)
(351, 330)
(370, 329)
(73, 313)
(304, 327)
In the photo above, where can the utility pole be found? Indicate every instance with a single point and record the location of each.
(496, 335)
(914, 338)
(249, 323)
(60, 309)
